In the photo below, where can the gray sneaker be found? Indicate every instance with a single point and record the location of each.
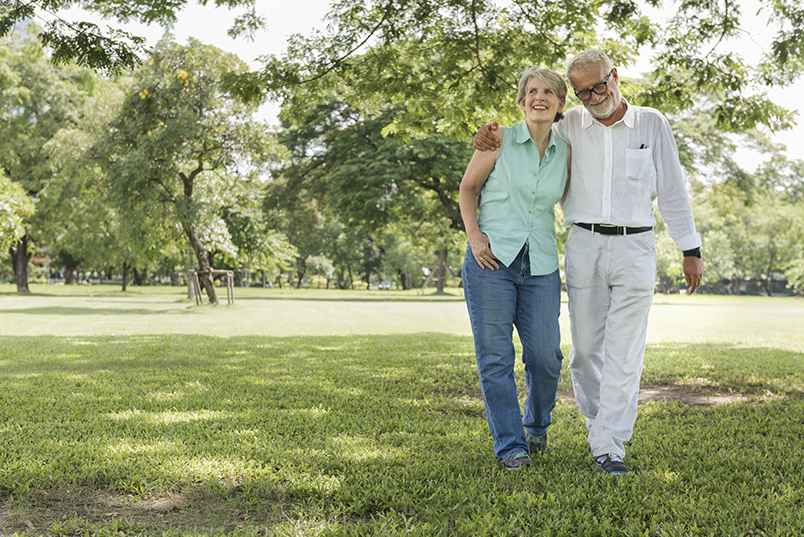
(611, 464)
(516, 461)
(536, 444)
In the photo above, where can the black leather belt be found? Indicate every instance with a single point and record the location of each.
(607, 229)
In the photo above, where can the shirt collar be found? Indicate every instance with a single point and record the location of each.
(523, 135)
(522, 132)
(629, 119)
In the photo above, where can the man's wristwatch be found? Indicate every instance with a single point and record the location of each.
(695, 252)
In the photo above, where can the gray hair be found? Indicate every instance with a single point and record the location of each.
(553, 80)
(590, 57)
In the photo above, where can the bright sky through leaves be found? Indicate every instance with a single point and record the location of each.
(286, 17)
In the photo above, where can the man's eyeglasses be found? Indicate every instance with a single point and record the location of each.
(597, 89)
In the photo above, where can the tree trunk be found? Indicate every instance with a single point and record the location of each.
(70, 274)
(301, 270)
(204, 268)
(441, 270)
(188, 269)
(139, 277)
(263, 279)
(126, 268)
(405, 280)
(19, 261)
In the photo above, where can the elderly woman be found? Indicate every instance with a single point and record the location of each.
(510, 272)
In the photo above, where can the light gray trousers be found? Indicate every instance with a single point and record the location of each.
(610, 279)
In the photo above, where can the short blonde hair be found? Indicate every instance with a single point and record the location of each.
(590, 57)
(553, 80)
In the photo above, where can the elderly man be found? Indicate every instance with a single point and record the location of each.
(623, 157)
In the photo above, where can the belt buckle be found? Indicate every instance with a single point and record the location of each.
(604, 225)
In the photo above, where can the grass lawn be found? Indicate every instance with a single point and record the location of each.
(375, 435)
(103, 310)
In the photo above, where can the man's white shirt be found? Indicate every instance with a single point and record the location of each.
(618, 171)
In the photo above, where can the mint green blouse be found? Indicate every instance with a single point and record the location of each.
(517, 199)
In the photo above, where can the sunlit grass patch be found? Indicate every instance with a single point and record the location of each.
(375, 436)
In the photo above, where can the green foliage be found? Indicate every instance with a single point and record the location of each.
(183, 150)
(15, 209)
(84, 224)
(363, 185)
(668, 264)
(753, 234)
(37, 100)
(342, 158)
(106, 48)
(447, 66)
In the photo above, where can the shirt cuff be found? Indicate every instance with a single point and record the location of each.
(688, 242)
(694, 252)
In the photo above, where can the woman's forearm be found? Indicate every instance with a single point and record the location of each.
(477, 171)
(467, 201)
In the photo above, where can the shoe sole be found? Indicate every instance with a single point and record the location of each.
(515, 468)
(613, 474)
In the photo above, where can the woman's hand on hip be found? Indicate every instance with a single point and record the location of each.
(481, 249)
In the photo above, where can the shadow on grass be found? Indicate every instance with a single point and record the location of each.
(68, 311)
(99, 294)
(430, 299)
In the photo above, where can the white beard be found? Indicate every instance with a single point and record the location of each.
(603, 109)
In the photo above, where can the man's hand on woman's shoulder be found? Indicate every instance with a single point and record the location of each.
(488, 137)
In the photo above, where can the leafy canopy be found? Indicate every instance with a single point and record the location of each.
(107, 48)
(446, 65)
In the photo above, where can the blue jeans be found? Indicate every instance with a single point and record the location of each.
(497, 301)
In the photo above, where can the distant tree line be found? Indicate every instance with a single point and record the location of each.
(120, 168)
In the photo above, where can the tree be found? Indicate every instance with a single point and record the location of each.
(342, 159)
(15, 208)
(181, 143)
(448, 65)
(83, 227)
(260, 244)
(720, 257)
(39, 99)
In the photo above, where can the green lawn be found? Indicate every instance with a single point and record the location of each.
(380, 435)
(161, 431)
(104, 310)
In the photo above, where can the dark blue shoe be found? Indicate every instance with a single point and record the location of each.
(536, 444)
(611, 464)
(516, 461)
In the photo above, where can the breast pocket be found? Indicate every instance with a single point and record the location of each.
(639, 165)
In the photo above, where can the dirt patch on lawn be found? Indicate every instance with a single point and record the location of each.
(688, 396)
(81, 509)
(684, 394)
